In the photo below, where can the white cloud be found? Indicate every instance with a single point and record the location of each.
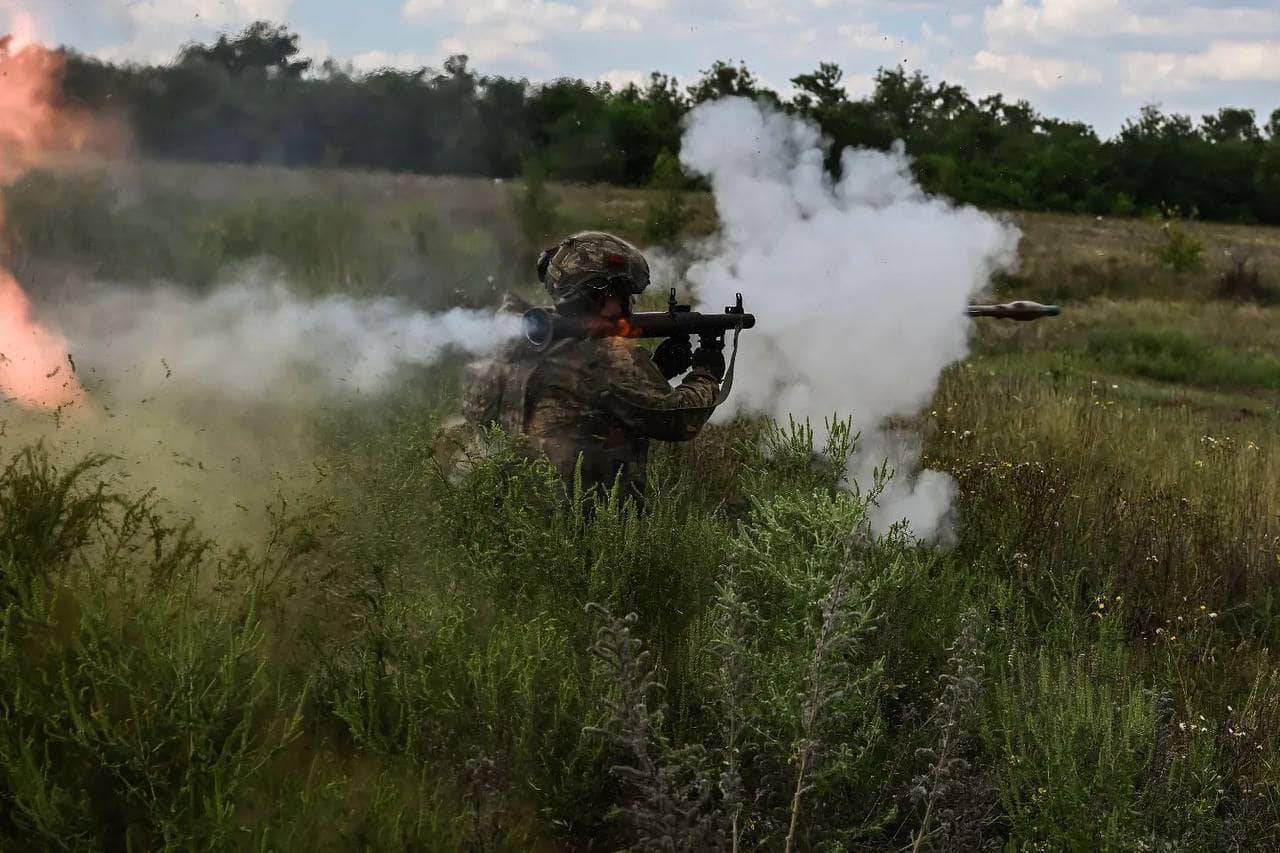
(476, 12)
(866, 36)
(493, 30)
(515, 39)
(157, 28)
(621, 14)
(1225, 21)
(1012, 22)
(607, 17)
(1019, 71)
(1148, 72)
(423, 9)
(375, 60)
(620, 78)
(859, 85)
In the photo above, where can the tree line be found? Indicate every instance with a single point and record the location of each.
(250, 98)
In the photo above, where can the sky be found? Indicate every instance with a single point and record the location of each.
(1097, 61)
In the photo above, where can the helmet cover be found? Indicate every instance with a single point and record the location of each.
(592, 260)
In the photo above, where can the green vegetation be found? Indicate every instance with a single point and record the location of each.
(245, 99)
(1172, 355)
(429, 649)
(1179, 250)
(536, 210)
(332, 242)
(667, 215)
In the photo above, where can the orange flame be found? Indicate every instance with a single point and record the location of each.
(34, 362)
(613, 327)
(625, 329)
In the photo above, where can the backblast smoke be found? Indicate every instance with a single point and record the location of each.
(252, 340)
(205, 396)
(860, 285)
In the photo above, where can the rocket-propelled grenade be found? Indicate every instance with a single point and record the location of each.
(542, 326)
(1021, 310)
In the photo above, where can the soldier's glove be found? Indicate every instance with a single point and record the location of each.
(674, 356)
(711, 358)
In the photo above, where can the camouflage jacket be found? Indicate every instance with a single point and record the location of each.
(601, 400)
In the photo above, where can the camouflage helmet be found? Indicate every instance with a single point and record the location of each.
(592, 260)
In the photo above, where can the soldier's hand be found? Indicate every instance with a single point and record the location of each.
(673, 356)
(711, 359)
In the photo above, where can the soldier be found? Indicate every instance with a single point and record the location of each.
(596, 403)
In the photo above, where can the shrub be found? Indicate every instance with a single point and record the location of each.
(1178, 249)
(537, 208)
(1242, 282)
(667, 214)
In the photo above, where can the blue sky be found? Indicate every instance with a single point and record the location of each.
(1093, 60)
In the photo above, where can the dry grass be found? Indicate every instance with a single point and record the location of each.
(1063, 257)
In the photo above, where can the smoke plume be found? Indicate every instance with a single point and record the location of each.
(859, 286)
(209, 398)
(213, 399)
(252, 340)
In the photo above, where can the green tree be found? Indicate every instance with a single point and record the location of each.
(820, 90)
(667, 213)
(569, 123)
(260, 47)
(1158, 160)
(724, 80)
(1273, 125)
(1231, 124)
(537, 209)
(248, 97)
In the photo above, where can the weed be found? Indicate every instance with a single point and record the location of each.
(1242, 282)
(1179, 250)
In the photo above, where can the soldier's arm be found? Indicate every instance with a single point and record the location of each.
(636, 393)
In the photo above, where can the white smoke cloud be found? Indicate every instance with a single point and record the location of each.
(859, 286)
(212, 400)
(254, 340)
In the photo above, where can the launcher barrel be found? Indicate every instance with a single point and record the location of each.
(542, 326)
(1021, 310)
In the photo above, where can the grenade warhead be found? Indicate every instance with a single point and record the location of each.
(1021, 310)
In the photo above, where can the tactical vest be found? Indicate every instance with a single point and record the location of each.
(497, 391)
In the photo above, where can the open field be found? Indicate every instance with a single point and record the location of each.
(398, 657)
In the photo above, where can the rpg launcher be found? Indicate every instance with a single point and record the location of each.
(1014, 311)
(542, 326)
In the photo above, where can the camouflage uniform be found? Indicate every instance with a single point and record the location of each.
(601, 400)
(595, 402)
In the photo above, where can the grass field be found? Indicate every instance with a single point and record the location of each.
(403, 656)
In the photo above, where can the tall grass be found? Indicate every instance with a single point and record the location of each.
(85, 225)
(429, 674)
(447, 652)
